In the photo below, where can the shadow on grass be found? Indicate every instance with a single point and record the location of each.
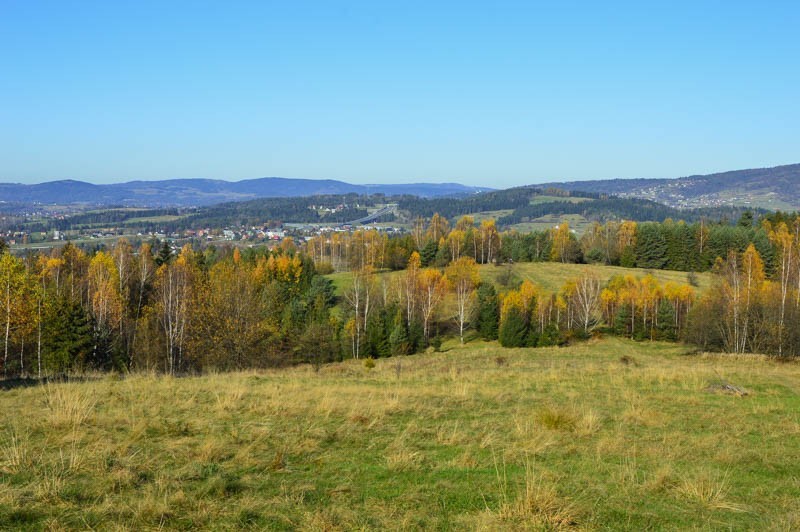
(26, 382)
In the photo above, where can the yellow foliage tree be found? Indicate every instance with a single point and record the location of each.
(432, 290)
(463, 276)
(561, 239)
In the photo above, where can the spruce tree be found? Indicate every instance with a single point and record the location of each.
(666, 322)
(164, 253)
(651, 246)
(66, 336)
(488, 312)
(398, 339)
(428, 254)
(513, 329)
(627, 258)
(622, 321)
(746, 220)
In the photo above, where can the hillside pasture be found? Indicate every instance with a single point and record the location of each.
(606, 434)
(550, 276)
(544, 198)
(577, 223)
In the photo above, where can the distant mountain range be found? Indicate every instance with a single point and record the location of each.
(195, 192)
(776, 188)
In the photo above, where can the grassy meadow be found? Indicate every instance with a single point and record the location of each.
(551, 276)
(605, 434)
(577, 223)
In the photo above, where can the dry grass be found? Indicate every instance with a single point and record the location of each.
(549, 439)
(710, 490)
(15, 451)
(68, 406)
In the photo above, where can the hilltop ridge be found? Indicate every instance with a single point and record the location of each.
(775, 188)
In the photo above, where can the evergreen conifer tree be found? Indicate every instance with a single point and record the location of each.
(513, 329)
(488, 312)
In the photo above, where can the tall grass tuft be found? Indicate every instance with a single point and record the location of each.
(15, 451)
(557, 418)
(68, 406)
(710, 490)
(538, 506)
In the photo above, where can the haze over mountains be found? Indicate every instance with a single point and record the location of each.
(196, 192)
(771, 188)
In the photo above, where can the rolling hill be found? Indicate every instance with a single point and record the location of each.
(770, 188)
(196, 192)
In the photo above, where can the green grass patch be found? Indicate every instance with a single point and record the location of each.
(551, 276)
(153, 219)
(536, 200)
(490, 215)
(577, 223)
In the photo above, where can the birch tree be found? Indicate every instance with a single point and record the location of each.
(11, 282)
(173, 293)
(462, 276)
(587, 300)
(432, 290)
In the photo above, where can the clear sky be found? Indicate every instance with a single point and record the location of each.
(483, 93)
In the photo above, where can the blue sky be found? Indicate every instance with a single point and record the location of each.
(483, 93)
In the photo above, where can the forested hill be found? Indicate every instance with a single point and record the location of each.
(521, 204)
(770, 188)
(196, 192)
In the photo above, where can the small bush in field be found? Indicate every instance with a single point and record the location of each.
(324, 268)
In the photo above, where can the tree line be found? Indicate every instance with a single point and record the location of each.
(753, 307)
(142, 309)
(153, 308)
(668, 245)
(750, 314)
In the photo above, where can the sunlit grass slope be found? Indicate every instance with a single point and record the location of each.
(607, 434)
(551, 276)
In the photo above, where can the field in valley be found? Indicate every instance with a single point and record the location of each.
(605, 434)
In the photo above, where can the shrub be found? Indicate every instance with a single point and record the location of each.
(324, 268)
(436, 343)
